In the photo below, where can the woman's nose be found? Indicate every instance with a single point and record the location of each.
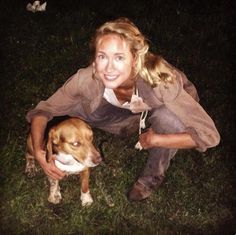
(109, 66)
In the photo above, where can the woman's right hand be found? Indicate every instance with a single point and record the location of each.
(38, 126)
(49, 168)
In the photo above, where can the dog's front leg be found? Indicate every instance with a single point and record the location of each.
(85, 197)
(30, 168)
(55, 194)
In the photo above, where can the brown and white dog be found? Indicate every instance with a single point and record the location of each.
(72, 143)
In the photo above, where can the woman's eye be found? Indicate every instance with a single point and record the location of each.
(120, 58)
(101, 57)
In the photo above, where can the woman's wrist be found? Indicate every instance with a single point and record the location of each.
(155, 140)
(40, 155)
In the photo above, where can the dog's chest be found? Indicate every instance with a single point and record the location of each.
(66, 163)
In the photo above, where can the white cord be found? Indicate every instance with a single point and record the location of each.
(141, 126)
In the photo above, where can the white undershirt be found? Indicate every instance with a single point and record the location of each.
(110, 97)
(136, 105)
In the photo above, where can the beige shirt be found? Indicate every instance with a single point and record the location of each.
(180, 98)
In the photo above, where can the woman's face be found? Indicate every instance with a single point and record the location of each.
(114, 62)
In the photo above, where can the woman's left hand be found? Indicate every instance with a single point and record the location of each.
(148, 139)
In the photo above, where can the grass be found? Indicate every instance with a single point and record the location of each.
(38, 53)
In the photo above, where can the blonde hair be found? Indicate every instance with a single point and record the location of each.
(156, 70)
(125, 29)
(152, 68)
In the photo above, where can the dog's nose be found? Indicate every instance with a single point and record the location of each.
(97, 158)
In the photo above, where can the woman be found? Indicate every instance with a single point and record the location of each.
(124, 82)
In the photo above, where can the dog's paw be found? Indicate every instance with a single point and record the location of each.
(86, 199)
(55, 198)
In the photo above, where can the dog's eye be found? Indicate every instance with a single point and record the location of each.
(76, 144)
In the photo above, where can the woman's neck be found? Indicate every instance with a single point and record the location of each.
(124, 92)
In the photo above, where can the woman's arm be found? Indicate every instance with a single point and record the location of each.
(151, 139)
(38, 126)
(198, 123)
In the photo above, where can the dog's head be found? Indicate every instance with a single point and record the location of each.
(74, 137)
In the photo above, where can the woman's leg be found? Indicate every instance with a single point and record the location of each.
(163, 122)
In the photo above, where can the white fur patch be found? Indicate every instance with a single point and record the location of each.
(86, 199)
(66, 163)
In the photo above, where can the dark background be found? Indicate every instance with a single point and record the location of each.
(39, 51)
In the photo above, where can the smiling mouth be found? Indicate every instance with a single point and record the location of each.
(110, 77)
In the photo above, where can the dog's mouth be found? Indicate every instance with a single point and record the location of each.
(66, 159)
(90, 163)
(86, 163)
(69, 164)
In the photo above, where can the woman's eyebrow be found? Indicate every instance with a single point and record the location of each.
(117, 53)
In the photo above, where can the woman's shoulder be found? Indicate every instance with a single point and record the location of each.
(171, 84)
(168, 92)
(82, 81)
(86, 82)
(85, 73)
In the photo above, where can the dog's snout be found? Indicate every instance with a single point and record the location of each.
(97, 158)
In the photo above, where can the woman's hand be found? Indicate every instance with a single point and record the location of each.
(49, 168)
(148, 139)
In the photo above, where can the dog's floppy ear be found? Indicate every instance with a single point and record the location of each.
(53, 138)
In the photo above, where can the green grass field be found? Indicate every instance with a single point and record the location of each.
(39, 51)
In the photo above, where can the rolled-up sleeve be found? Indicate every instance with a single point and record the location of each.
(198, 123)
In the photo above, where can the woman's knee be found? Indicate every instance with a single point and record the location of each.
(164, 121)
